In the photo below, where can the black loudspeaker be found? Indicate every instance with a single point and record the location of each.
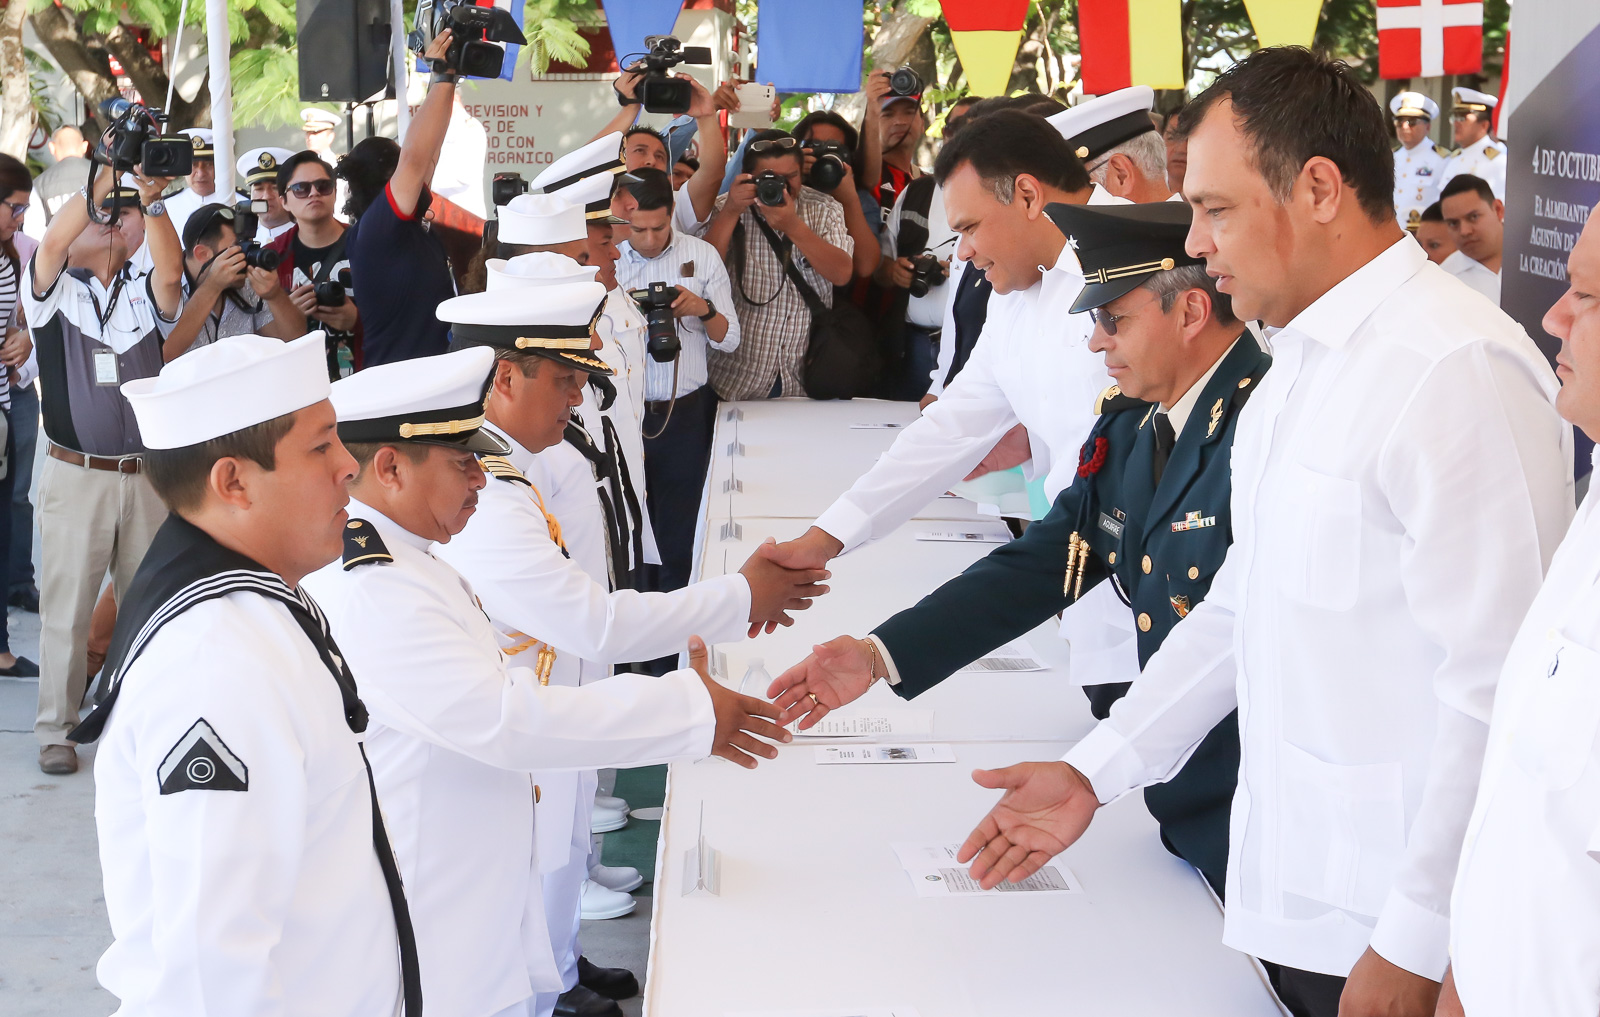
(344, 49)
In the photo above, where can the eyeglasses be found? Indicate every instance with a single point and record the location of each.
(775, 145)
(18, 208)
(303, 189)
(1108, 322)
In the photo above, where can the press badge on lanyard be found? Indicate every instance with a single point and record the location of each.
(105, 368)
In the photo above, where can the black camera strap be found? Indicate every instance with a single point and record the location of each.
(783, 249)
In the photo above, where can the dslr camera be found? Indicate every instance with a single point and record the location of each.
(771, 189)
(659, 92)
(330, 292)
(827, 169)
(246, 220)
(135, 143)
(905, 81)
(472, 52)
(927, 272)
(506, 186)
(656, 302)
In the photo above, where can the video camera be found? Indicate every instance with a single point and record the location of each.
(506, 186)
(656, 302)
(659, 91)
(472, 52)
(827, 169)
(136, 145)
(246, 221)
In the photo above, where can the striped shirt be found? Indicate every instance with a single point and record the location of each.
(692, 264)
(774, 322)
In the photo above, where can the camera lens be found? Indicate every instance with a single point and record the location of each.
(905, 81)
(257, 256)
(770, 188)
(826, 173)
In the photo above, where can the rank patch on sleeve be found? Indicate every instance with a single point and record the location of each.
(202, 761)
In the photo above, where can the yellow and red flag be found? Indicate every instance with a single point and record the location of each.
(1130, 42)
(986, 34)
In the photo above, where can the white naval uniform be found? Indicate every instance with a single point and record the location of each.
(528, 586)
(269, 901)
(1418, 175)
(1525, 925)
(1485, 158)
(1474, 273)
(455, 735)
(1031, 365)
(1388, 535)
(622, 346)
(186, 203)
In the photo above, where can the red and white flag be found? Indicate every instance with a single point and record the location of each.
(1427, 38)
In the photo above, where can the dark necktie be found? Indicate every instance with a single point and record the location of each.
(1164, 441)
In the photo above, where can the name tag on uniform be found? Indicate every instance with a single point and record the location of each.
(1111, 526)
(105, 368)
(1193, 521)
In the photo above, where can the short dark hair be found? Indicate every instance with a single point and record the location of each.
(1038, 105)
(751, 157)
(179, 475)
(1294, 105)
(363, 452)
(689, 161)
(1002, 145)
(367, 170)
(288, 166)
(632, 131)
(1169, 284)
(1461, 183)
(651, 188)
(802, 130)
(1433, 213)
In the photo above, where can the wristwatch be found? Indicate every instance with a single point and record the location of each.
(446, 77)
(711, 311)
(156, 209)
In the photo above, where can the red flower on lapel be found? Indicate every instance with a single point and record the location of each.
(1092, 457)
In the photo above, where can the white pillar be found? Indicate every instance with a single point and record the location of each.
(402, 59)
(218, 49)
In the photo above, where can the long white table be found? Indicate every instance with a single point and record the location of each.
(815, 910)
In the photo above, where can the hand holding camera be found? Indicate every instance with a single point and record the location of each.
(656, 300)
(772, 200)
(689, 304)
(827, 166)
(133, 142)
(661, 92)
(742, 194)
(264, 281)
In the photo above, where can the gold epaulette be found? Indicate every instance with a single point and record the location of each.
(500, 468)
(363, 546)
(1112, 400)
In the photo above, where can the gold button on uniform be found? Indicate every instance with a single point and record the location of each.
(1144, 622)
(1194, 573)
(1111, 558)
(1145, 564)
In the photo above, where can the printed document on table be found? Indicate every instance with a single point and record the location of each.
(849, 1011)
(1016, 655)
(935, 872)
(899, 724)
(989, 536)
(925, 752)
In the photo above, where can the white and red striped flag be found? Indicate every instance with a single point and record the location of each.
(1427, 38)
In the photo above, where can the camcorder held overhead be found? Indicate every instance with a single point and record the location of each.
(656, 302)
(659, 91)
(246, 221)
(136, 145)
(505, 186)
(472, 52)
(828, 165)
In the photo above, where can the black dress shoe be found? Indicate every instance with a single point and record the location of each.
(23, 668)
(581, 1002)
(613, 983)
(25, 597)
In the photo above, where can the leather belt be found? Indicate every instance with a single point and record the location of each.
(112, 464)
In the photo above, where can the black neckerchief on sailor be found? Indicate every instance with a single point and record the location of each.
(630, 494)
(604, 468)
(185, 567)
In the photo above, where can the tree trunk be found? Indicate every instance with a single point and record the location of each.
(891, 48)
(151, 79)
(16, 101)
(89, 74)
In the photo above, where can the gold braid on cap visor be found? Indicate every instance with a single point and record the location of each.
(1105, 275)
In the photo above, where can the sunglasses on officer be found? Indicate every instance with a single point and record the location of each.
(304, 188)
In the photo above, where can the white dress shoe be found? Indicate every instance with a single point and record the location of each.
(599, 903)
(607, 820)
(621, 878)
(611, 802)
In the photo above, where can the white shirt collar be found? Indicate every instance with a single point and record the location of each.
(628, 251)
(519, 456)
(1336, 315)
(388, 529)
(1178, 414)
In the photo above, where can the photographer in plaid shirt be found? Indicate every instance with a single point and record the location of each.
(774, 322)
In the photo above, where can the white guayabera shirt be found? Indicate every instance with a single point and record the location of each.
(1400, 482)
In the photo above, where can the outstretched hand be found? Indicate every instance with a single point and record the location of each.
(837, 672)
(775, 589)
(1046, 807)
(739, 718)
(1011, 450)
